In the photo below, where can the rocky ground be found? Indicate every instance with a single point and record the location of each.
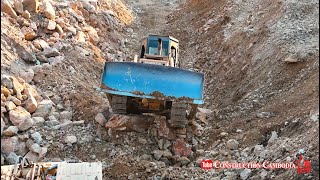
(260, 59)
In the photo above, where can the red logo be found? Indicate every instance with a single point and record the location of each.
(304, 166)
(206, 164)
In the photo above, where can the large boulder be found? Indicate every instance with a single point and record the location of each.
(30, 35)
(35, 148)
(5, 91)
(28, 123)
(128, 123)
(27, 15)
(15, 100)
(18, 115)
(39, 121)
(13, 144)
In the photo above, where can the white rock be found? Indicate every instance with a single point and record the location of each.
(263, 174)
(10, 105)
(263, 115)
(41, 44)
(48, 10)
(258, 149)
(2, 125)
(81, 37)
(245, 174)
(274, 136)
(52, 25)
(70, 139)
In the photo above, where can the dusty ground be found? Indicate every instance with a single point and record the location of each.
(241, 46)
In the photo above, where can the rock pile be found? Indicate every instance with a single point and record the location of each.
(171, 148)
(53, 27)
(23, 110)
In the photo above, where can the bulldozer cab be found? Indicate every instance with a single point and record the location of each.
(161, 50)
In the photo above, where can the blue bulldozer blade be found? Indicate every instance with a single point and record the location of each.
(153, 81)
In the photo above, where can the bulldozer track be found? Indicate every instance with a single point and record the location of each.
(119, 104)
(178, 117)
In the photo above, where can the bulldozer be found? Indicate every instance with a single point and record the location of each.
(154, 83)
